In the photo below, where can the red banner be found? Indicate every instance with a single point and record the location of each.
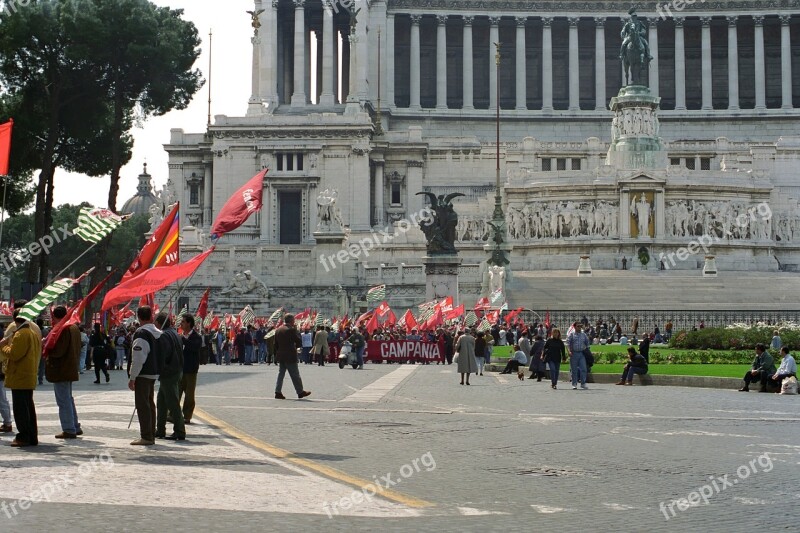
(404, 351)
(240, 206)
(161, 249)
(5, 146)
(153, 280)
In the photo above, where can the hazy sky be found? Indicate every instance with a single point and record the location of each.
(231, 75)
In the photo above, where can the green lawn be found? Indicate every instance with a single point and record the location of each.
(722, 371)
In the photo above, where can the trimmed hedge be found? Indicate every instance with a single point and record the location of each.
(683, 357)
(731, 338)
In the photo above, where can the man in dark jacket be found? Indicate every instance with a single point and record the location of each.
(191, 365)
(145, 366)
(644, 347)
(241, 341)
(168, 400)
(61, 369)
(287, 341)
(636, 364)
(763, 367)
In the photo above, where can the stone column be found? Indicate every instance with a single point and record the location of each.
(269, 55)
(786, 63)
(494, 37)
(414, 177)
(379, 184)
(353, 81)
(521, 74)
(758, 42)
(660, 212)
(574, 74)
(624, 214)
(733, 64)
(320, 65)
(299, 94)
(652, 78)
(467, 57)
(345, 33)
(705, 37)
(208, 189)
(600, 63)
(254, 106)
(547, 64)
(326, 98)
(441, 62)
(389, 82)
(680, 66)
(414, 77)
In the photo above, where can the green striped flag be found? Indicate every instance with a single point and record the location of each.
(484, 325)
(48, 295)
(425, 315)
(208, 319)
(376, 294)
(94, 224)
(247, 316)
(319, 321)
(277, 315)
(471, 319)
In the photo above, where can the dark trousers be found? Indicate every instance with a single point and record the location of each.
(294, 373)
(168, 403)
(629, 371)
(759, 376)
(25, 416)
(144, 389)
(100, 364)
(187, 388)
(511, 366)
(780, 378)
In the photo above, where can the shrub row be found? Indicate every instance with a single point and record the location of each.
(731, 338)
(666, 356)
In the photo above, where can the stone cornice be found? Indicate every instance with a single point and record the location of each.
(646, 9)
(292, 133)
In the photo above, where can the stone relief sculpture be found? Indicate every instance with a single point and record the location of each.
(639, 121)
(727, 220)
(562, 219)
(643, 213)
(165, 199)
(246, 283)
(328, 214)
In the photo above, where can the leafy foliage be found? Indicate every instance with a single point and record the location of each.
(732, 338)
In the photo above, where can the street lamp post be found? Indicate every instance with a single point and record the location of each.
(498, 222)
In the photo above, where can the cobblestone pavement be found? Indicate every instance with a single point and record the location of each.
(499, 455)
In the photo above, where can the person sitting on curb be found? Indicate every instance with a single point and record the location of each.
(636, 364)
(519, 359)
(787, 369)
(763, 368)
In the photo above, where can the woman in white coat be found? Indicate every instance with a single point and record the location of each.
(465, 346)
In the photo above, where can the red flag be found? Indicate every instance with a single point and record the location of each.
(153, 280)
(240, 206)
(74, 316)
(5, 146)
(383, 309)
(483, 304)
(409, 321)
(363, 318)
(547, 319)
(434, 322)
(214, 323)
(511, 315)
(202, 309)
(455, 313)
(372, 325)
(391, 320)
(161, 249)
(445, 305)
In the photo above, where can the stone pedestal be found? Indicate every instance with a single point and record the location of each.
(584, 267)
(710, 268)
(635, 143)
(331, 256)
(441, 277)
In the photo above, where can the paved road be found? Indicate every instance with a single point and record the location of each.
(498, 455)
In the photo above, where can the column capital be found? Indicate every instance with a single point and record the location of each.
(299, 4)
(705, 21)
(732, 20)
(274, 4)
(494, 21)
(547, 21)
(785, 19)
(468, 19)
(678, 22)
(573, 21)
(441, 19)
(522, 21)
(415, 19)
(600, 22)
(327, 4)
(758, 20)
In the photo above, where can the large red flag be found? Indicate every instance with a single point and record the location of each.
(455, 313)
(409, 320)
(153, 280)
(5, 146)
(433, 322)
(202, 309)
(161, 249)
(240, 206)
(391, 320)
(483, 304)
(372, 324)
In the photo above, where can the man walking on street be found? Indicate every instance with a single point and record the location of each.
(287, 341)
(168, 403)
(191, 365)
(21, 357)
(320, 348)
(61, 369)
(577, 344)
(145, 364)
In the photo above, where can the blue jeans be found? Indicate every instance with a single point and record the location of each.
(555, 368)
(248, 354)
(262, 352)
(5, 407)
(629, 371)
(294, 373)
(82, 360)
(66, 407)
(305, 355)
(577, 366)
(360, 355)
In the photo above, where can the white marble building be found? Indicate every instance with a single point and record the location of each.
(407, 102)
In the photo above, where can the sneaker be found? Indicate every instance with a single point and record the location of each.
(584, 387)
(304, 394)
(279, 396)
(630, 383)
(553, 387)
(574, 387)
(143, 442)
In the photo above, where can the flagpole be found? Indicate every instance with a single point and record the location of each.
(75, 261)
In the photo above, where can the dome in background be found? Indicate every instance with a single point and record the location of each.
(140, 203)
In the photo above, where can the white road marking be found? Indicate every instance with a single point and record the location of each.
(618, 506)
(379, 389)
(471, 511)
(546, 509)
